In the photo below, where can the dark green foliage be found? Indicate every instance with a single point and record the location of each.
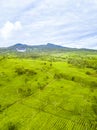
(94, 107)
(51, 64)
(83, 62)
(12, 126)
(21, 71)
(67, 77)
(41, 86)
(2, 58)
(88, 73)
(93, 84)
(44, 63)
(73, 78)
(24, 92)
(60, 76)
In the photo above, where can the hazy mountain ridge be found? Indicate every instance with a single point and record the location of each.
(48, 47)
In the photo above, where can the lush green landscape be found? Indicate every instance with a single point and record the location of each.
(48, 91)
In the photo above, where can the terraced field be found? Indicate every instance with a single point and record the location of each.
(45, 95)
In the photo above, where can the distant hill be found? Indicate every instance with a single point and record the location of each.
(19, 47)
(47, 46)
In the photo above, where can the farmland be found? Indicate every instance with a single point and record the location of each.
(55, 91)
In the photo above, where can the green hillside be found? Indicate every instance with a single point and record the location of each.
(55, 92)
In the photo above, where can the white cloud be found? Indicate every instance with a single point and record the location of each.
(7, 30)
(67, 22)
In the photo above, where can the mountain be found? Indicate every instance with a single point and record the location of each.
(19, 47)
(47, 47)
(50, 45)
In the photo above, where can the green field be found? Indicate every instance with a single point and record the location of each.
(51, 92)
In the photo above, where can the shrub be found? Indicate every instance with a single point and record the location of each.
(12, 126)
(88, 73)
(58, 76)
(94, 84)
(73, 78)
(41, 86)
(24, 92)
(50, 64)
(62, 76)
(21, 71)
(94, 107)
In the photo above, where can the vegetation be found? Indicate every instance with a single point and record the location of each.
(48, 91)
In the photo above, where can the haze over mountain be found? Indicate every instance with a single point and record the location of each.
(49, 47)
(24, 47)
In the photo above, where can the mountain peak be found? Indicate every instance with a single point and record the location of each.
(50, 44)
(18, 46)
(54, 45)
(48, 47)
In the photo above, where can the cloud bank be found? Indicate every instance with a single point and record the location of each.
(8, 29)
(64, 22)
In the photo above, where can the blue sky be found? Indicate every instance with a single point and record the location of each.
(71, 23)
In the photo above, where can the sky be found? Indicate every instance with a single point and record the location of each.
(70, 23)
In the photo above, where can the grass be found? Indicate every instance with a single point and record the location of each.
(47, 95)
